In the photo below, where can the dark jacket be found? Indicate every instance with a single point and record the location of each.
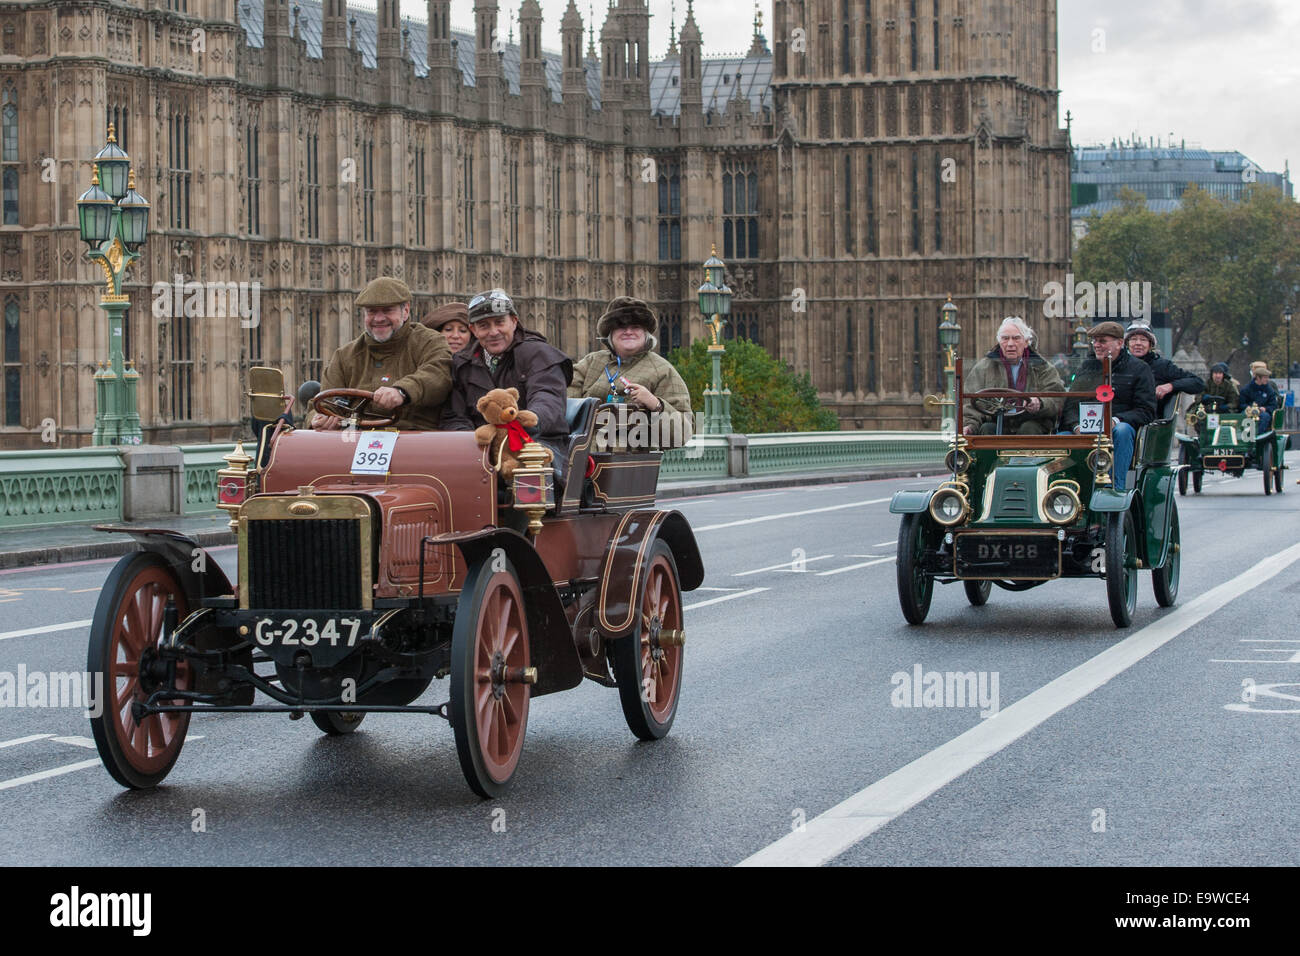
(1224, 390)
(1135, 390)
(415, 359)
(1265, 396)
(540, 371)
(1166, 372)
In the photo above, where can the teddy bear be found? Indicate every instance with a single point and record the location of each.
(504, 433)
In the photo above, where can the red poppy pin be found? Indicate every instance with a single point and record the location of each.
(1105, 393)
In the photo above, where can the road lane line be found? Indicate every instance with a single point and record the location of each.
(46, 774)
(783, 566)
(789, 514)
(769, 494)
(885, 544)
(725, 597)
(47, 629)
(854, 567)
(23, 740)
(849, 822)
(76, 742)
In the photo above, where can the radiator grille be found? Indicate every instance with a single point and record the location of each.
(1015, 502)
(304, 564)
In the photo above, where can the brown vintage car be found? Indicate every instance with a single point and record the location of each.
(372, 561)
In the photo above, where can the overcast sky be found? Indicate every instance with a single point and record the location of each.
(1221, 73)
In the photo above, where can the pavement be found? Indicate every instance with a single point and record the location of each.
(59, 544)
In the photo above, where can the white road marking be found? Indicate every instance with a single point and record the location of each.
(46, 774)
(829, 834)
(783, 566)
(854, 567)
(76, 742)
(885, 544)
(717, 589)
(788, 514)
(770, 494)
(47, 629)
(23, 740)
(725, 597)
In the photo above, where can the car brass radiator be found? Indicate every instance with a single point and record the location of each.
(296, 564)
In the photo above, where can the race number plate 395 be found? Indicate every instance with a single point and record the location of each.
(1022, 556)
(374, 453)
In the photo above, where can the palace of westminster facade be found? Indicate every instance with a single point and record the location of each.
(880, 156)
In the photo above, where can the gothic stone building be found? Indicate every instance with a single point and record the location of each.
(881, 155)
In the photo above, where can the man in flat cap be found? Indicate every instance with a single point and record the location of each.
(406, 365)
(1260, 391)
(504, 354)
(1134, 404)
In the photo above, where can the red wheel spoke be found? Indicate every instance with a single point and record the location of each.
(504, 608)
(509, 645)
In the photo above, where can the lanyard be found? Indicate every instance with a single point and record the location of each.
(613, 396)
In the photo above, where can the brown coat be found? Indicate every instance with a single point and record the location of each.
(540, 371)
(416, 359)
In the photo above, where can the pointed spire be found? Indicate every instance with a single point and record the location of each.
(672, 29)
(591, 34)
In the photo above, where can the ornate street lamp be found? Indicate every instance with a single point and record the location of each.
(114, 220)
(949, 339)
(1286, 320)
(715, 306)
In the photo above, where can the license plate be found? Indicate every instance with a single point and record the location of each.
(307, 632)
(1021, 556)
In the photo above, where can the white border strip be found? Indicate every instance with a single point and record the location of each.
(828, 835)
(47, 629)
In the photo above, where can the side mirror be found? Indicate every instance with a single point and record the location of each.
(266, 393)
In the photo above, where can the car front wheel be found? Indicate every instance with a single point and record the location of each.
(1121, 568)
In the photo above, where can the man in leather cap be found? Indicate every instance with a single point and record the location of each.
(407, 366)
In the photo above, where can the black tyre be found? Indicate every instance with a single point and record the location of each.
(124, 636)
(977, 592)
(915, 587)
(1266, 463)
(1165, 580)
(1278, 484)
(489, 703)
(1182, 472)
(649, 673)
(336, 723)
(1121, 568)
(1196, 481)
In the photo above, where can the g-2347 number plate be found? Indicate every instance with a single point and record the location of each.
(307, 631)
(1025, 556)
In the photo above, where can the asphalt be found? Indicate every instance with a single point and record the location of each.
(59, 544)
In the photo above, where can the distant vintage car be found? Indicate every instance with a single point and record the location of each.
(1021, 510)
(1230, 443)
(371, 562)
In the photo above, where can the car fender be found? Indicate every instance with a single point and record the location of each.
(1109, 499)
(910, 502)
(622, 580)
(550, 638)
(197, 571)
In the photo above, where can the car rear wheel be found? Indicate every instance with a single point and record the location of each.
(1165, 580)
(1196, 481)
(1182, 472)
(489, 663)
(124, 637)
(1278, 468)
(336, 723)
(648, 663)
(1266, 463)
(1121, 568)
(977, 592)
(915, 587)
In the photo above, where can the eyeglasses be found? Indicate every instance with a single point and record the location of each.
(493, 302)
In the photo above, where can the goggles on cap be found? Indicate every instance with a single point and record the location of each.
(488, 304)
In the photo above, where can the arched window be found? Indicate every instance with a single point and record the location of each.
(9, 154)
(13, 375)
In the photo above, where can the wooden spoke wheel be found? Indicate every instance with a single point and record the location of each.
(336, 723)
(124, 637)
(915, 587)
(1121, 568)
(1165, 580)
(648, 662)
(977, 592)
(489, 664)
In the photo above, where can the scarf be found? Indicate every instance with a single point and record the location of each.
(1020, 380)
(516, 435)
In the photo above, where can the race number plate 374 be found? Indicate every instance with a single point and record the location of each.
(1091, 418)
(374, 453)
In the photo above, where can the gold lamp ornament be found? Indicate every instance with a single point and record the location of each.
(533, 484)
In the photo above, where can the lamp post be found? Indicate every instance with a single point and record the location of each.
(949, 339)
(715, 306)
(1286, 320)
(114, 220)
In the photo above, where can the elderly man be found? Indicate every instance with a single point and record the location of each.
(1260, 391)
(507, 355)
(1141, 344)
(1134, 402)
(407, 366)
(1013, 364)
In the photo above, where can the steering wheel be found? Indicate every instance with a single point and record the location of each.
(996, 401)
(329, 402)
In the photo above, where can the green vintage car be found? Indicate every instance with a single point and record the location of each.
(1021, 510)
(1229, 443)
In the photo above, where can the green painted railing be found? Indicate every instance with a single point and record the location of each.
(704, 457)
(812, 451)
(201, 464)
(60, 486)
